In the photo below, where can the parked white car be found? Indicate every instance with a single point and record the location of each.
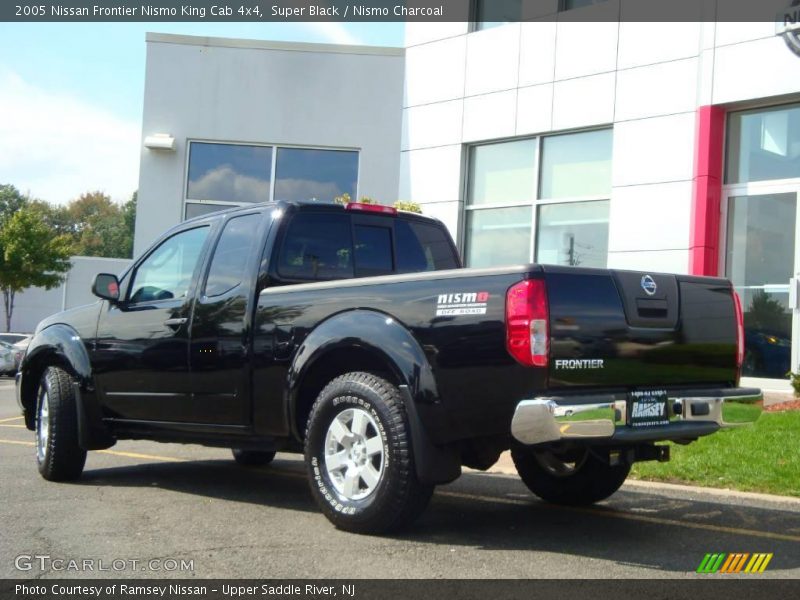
(8, 361)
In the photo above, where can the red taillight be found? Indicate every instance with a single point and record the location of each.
(527, 334)
(374, 208)
(737, 304)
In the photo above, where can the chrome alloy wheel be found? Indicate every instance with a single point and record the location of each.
(354, 454)
(42, 426)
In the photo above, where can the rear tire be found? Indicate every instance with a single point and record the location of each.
(58, 454)
(252, 458)
(575, 480)
(359, 458)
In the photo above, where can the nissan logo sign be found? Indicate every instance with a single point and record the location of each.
(649, 285)
(787, 25)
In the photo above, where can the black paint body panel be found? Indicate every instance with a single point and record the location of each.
(236, 369)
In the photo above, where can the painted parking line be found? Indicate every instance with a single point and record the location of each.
(12, 425)
(155, 457)
(510, 501)
(142, 456)
(17, 442)
(11, 419)
(632, 517)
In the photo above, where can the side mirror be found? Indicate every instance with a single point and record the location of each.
(106, 286)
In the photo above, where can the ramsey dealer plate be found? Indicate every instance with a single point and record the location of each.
(647, 408)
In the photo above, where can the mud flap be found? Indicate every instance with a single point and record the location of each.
(92, 433)
(434, 464)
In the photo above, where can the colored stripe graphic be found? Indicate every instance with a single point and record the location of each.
(758, 563)
(711, 563)
(722, 562)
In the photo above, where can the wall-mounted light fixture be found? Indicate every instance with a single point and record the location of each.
(160, 141)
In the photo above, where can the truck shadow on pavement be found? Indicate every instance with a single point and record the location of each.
(645, 529)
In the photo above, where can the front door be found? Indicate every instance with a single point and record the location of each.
(761, 260)
(141, 356)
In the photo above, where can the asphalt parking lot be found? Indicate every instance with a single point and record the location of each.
(142, 501)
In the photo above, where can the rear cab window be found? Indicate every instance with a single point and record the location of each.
(325, 246)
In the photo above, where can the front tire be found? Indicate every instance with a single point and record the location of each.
(359, 458)
(58, 453)
(572, 479)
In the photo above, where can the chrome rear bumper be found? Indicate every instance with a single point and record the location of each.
(604, 417)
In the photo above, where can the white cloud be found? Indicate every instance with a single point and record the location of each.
(306, 189)
(335, 33)
(224, 183)
(57, 146)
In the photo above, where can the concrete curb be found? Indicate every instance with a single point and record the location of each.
(720, 492)
(505, 466)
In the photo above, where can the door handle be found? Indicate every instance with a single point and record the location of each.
(175, 322)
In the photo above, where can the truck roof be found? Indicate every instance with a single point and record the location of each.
(307, 205)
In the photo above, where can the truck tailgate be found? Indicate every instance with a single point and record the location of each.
(634, 329)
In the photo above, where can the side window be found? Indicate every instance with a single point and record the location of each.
(422, 247)
(230, 256)
(167, 273)
(373, 249)
(317, 247)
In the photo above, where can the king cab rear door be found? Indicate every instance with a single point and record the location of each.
(221, 325)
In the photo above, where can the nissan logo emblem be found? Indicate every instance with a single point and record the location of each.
(787, 25)
(649, 285)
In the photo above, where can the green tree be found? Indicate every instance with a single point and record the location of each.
(10, 201)
(30, 256)
(100, 227)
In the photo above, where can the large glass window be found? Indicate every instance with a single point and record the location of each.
(566, 5)
(491, 13)
(764, 144)
(315, 175)
(224, 175)
(498, 237)
(229, 172)
(760, 262)
(577, 164)
(573, 234)
(556, 186)
(503, 173)
(166, 274)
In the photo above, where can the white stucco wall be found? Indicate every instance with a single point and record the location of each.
(34, 304)
(646, 80)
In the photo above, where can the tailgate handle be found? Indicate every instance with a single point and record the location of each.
(651, 308)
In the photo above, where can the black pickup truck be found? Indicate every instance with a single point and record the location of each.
(353, 335)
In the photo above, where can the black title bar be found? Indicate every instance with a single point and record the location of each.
(396, 10)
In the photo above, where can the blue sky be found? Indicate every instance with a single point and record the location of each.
(71, 96)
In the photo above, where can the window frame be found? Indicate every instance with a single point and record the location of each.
(224, 204)
(536, 201)
(130, 275)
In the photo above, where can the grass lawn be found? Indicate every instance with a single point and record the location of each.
(764, 457)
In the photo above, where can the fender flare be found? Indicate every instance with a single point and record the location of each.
(61, 345)
(386, 338)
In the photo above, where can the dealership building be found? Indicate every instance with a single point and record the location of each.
(669, 147)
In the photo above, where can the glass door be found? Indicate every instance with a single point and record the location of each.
(761, 261)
